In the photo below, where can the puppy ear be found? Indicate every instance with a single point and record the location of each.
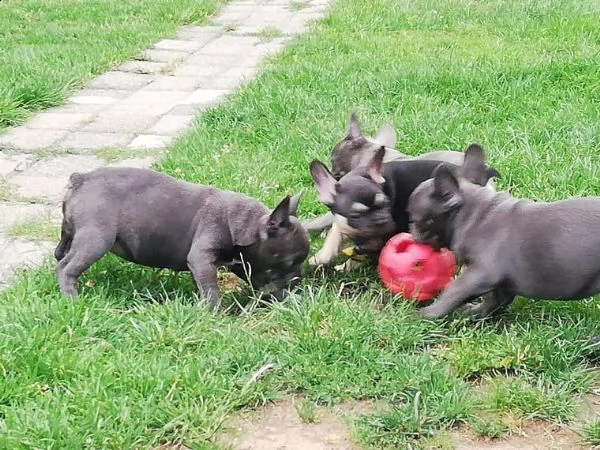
(376, 166)
(280, 217)
(493, 173)
(324, 182)
(446, 188)
(386, 136)
(474, 168)
(354, 129)
(294, 203)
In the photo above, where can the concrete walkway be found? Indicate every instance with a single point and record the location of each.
(128, 115)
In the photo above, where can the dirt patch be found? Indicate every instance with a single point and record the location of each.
(280, 427)
(534, 435)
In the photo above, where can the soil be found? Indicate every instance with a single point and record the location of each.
(279, 427)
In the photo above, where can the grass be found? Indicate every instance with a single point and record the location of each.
(113, 154)
(135, 362)
(51, 47)
(35, 229)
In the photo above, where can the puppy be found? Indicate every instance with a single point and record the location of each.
(155, 220)
(369, 203)
(508, 246)
(357, 150)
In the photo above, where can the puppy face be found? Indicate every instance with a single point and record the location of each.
(283, 246)
(435, 202)
(358, 202)
(430, 211)
(356, 149)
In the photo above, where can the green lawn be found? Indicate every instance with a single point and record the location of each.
(48, 48)
(134, 362)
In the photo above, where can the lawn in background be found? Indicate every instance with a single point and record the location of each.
(134, 362)
(48, 48)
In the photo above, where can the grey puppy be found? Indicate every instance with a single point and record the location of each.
(155, 220)
(508, 246)
(357, 150)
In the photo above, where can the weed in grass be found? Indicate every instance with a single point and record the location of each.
(114, 154)
(36, 229)
(590, 433)
(268, 33)
(6, 193)
(297, 5)
(489, 427)
(307, 411)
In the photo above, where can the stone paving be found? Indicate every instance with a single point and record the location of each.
(137, 108)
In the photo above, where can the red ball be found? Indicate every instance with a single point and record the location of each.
(415, 271)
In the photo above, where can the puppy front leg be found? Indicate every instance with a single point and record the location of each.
(470, 284)
(318, 224)
(330, 249)
(204, 271)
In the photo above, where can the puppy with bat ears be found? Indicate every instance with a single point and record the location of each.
(155, 220)
(369, 203)
(358, 150)
(507, 246)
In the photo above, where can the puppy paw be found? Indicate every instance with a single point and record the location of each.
(430, 313)
(348, 265)
(319, 260)
(470, 309)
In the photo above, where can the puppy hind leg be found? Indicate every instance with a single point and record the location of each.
(493, 302)
(86, 247)
(64, 244)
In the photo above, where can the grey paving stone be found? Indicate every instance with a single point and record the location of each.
(92, 100)
(230, 45)
(23, 138)
(16, 213)
(51, 188)
(58, 121)
(81, 140)
(19, 254)
(15, 163)
(139, 163)
(234, 13)
(186, 70)
(121, 122)
(211, 59)
(199, 33)
(148, 67)
(64, 166)
(189, 109)
(172, 83)
(77, 108)
(170, 125)
(150, 141)
(205, 96)
(149, 102)
(120, 81)
(179, 45)
(230, 79)
(164, 56)
(117, 94)
(270, 16)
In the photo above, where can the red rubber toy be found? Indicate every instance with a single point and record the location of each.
(415, 271)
